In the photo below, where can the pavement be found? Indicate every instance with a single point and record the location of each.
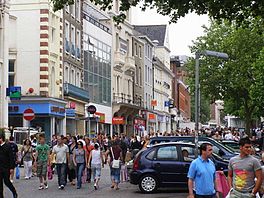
(29, 189)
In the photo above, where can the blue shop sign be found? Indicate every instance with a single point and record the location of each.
(39, 108)
(167, 103)
(70, 113)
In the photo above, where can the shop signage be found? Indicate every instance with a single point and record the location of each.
(140, 122)
(55, 109)
(70, 113)
(13, 109)
(14, 93)
(101, 117)
(151, 116)
(154, 103)
(118, 120)
(167, 103)
(91, 109)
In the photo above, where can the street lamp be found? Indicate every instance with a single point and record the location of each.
(197, 88)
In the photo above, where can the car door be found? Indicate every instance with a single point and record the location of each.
(186, 156)
(166, 164)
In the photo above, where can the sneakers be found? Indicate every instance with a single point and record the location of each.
(46, 185)
(41, 187)
(62, 187)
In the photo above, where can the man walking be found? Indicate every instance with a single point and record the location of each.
(242, 171)
(7, 165)
(202, 173)
(62, 157)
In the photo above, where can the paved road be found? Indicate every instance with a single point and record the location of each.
(29, 189)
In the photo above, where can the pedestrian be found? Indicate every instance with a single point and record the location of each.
(62, 157)
(201, 175)
(243, 169)
(14, 148)
(72, 167)
(42, 162)
(7, 165)
(115, 153)
(88, 147)
(95, 162)
(79, 160)
(27, 158)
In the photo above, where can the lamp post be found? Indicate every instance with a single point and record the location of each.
(197, 88)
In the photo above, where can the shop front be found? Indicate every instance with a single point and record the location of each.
(49, 114)
(140, 127)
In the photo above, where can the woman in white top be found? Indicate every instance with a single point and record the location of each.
(95, 162)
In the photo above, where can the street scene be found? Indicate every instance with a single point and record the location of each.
(124, 98)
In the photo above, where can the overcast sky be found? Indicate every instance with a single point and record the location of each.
(181, 34)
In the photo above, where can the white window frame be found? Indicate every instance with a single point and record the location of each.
(78, 39)
(78, 10)
(66, 74)
(67, 34)
(73, 39)
(139, 51)
(73, 9)
(73, 79)
(67, 8)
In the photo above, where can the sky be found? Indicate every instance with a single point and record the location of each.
(181, 34)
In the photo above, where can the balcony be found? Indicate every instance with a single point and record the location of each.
(76, 92)
(119, 60)
(67, 46)
(130, 66)
(122, 98)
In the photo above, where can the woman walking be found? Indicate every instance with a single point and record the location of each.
(115, 153)
(27, 158)
(79, 159)
(72, 167)
(95, 162)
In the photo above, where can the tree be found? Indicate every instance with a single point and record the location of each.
(234, 80)
(218, 9)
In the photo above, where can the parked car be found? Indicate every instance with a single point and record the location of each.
(219, 149)
(166, 165)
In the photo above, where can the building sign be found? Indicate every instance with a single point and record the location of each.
(140, 122)
(55, 109)
(101, 117)
(118, 120)
(154, 103)
(151, 116)
(13, 109)
(167, 103)
(14, 93)
(70, 113)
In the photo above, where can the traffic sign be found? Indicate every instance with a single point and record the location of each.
(91, 109)
(29, 114)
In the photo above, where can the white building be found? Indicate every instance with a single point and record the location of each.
(4, 53)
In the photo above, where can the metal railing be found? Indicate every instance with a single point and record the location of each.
(122, 98)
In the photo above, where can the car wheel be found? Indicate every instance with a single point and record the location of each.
(148, 184)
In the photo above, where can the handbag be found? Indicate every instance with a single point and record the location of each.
(115, 163)
(50, 175)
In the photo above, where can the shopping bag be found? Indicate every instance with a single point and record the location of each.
(17, 173)
(222, 185)
(84, 176)
(50, 175)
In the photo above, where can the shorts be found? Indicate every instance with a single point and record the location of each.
(96, 171)
(41, 169)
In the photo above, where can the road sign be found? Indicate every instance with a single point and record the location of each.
(29, 114)
(91, 109)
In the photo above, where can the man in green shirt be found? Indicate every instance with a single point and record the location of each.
(42, 161)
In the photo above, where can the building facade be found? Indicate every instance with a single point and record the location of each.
(38, 68)
(97, 45)
(4, 56)
(73, 71)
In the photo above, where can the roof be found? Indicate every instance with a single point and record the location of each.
(154, 32)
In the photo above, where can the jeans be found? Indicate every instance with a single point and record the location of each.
(79, 172)
(61, 171)
(89, 174)
(115, 174)
(236, 194)
(5, 177)
(28, 169)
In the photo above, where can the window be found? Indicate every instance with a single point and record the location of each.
(118, 84)
(151, 154)
(53, 80)
(78, 39)
(188, 153)
(136, 49)
(140, 76)
(117, 6)
(167, 153)
(73, 35)
(66, 74)
(67, 31)
(137, 76)
(72, 9)
(72, 77)
(78, 10)
(117, 42)
(67, 8)
(53, 34)
(78, 82)
(139, 51)
(123, 46)
(11, 73)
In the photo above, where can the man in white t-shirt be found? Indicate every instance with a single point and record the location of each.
(62, 158)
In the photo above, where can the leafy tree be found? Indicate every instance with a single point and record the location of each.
(234, 80)
(218, 9)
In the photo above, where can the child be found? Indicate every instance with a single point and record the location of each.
(42, 161)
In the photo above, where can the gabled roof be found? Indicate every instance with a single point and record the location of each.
(154, 32)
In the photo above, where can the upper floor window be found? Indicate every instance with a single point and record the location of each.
(123, 46)
(136, 49)
(78, 10)
(11, 73)
(139, 51)
(67, 30)
(72, 9)
(73, 35)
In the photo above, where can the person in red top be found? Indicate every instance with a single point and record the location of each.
(88, 148)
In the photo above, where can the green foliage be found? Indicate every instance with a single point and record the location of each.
(231, 10)
(238, 80)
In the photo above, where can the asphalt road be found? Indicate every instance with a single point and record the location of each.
(29, 189)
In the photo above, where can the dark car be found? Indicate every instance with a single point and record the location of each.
(166, 165)
(219, 149)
